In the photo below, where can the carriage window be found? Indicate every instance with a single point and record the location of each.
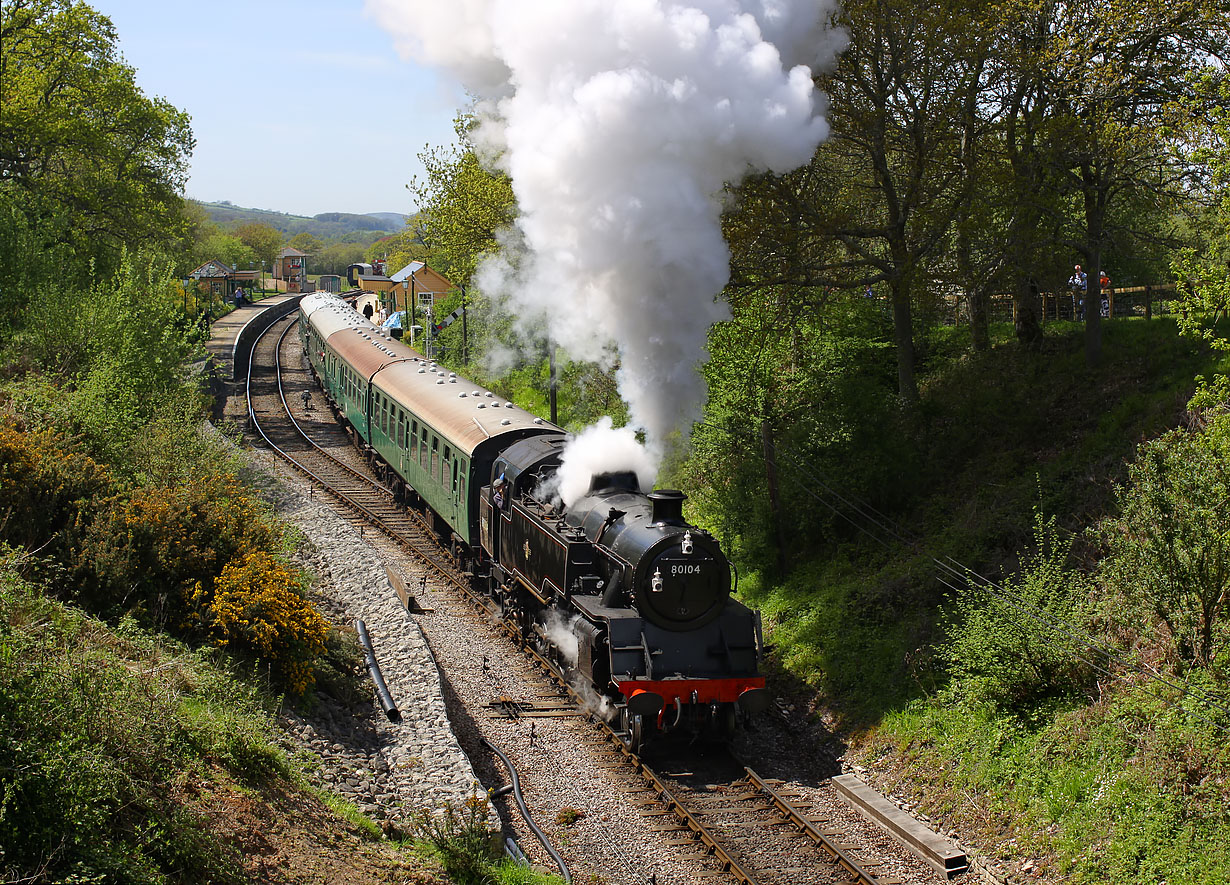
(401, 429)
(414, 439)
(445, 468)
(384, 416)
(435, 458)
(461, 487)
(454, 479)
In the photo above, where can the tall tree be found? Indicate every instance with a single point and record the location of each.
(462, 206)
(86, 157)
(879, 198)
(307, 242)
(1122, 73)
(263, 239)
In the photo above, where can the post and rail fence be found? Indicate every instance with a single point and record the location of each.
(1121, 301)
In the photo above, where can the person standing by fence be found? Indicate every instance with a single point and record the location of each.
(1078, 284)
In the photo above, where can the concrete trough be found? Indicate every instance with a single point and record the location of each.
(933, 848)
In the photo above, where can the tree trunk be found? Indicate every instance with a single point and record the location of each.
(1028, 314)
(980, 333)
(903, 336)
(775, 503)
(1093, 309)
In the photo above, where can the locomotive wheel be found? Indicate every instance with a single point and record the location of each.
(633, 727)
(636, 733)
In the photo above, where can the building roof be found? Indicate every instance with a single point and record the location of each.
(291, 252)
(404, 274)
(425, 278)
(212, 268)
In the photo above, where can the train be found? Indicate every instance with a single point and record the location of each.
(628, 601)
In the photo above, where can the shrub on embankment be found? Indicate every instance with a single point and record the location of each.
(194, 560)
(109, 738)
(983, 703)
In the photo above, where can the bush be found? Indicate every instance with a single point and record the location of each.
(1013, 648)
(257, 605)
(1170, 547)
(148, 551)
(97, 754)
(460, 838)
(48, 491)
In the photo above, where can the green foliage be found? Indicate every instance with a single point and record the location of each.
(820, 392)
(227, 248)
(1169, 549)
(462, 206)
(257, 604)
(263, 239)
(115, 352)
(149, 550)
(336, 257)
(1132, 790)
(508, 872)
(190, 558)
(47, 490)
(1012, 647)
(460, 839)
(306, 242)
(103, 738)
(89, 160)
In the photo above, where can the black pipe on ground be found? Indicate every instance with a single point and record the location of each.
(525, 813)
(382, 690)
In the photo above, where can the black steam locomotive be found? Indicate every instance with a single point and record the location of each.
(630, 601)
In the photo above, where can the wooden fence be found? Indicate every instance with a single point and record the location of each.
(1123, 301)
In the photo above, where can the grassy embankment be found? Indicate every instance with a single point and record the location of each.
(980, 706)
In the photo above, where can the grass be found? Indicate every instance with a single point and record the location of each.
(996, 436)
(1127, 790)
(1120, 787)
(103, 736)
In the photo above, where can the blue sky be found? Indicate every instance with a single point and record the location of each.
(275, 89)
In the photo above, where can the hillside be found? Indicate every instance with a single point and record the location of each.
(1054, 713)
(326, 225)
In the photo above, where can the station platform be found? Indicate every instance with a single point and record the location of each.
(230, 342)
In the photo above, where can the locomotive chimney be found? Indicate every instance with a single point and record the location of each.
(667, 506)
(619, 479)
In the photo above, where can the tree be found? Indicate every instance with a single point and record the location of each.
(227, 248)
(879, 198)
(263, 239)
(462, 206)
(1123, 74)
(336, 257)
(1170, 548)
(87, 160)
(307, 242)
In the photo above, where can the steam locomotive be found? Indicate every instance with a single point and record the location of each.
(630, 602)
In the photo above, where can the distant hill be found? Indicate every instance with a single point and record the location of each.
(327, 225)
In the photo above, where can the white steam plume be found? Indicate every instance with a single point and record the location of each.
(619, 124)
(600, 448)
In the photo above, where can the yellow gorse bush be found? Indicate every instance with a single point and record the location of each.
(257, 605)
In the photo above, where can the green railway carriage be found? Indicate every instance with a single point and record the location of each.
(440, 434)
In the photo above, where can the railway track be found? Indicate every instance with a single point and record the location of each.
(317, 446)
(719, 815)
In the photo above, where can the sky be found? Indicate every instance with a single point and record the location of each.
(297, 106)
